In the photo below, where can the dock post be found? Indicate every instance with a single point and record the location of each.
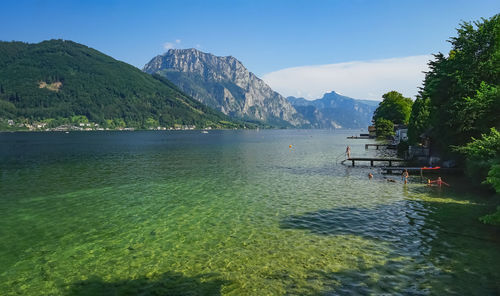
(371, 162)
(376, 147)
(366, 146)
(353, 162)
(390, 162)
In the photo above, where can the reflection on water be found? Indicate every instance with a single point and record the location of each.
(229, 212)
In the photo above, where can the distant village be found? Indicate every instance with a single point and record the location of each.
(82, 126)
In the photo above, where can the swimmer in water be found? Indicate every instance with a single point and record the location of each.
(438, 182)
(370, 176)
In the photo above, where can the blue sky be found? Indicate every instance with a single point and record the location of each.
(267, 36)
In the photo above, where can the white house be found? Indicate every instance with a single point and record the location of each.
(401, 135)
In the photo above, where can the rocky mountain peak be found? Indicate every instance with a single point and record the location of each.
(225, 84)
(195, 61)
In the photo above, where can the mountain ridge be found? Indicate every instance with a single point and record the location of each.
(224, 84)
(335, 111)
(61, 79)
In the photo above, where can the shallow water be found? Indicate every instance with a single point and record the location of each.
(229, 213)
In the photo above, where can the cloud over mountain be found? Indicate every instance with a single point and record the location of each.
(358, 79)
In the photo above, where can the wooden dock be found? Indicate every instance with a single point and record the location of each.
(358, 137)
(387, 146)
(374, 159)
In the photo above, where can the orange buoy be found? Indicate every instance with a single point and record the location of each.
(289, 146)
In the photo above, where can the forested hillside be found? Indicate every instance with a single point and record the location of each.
(58, 82)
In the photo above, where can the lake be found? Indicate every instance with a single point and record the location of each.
(230, 213)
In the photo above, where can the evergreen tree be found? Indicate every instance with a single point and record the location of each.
(419, 120)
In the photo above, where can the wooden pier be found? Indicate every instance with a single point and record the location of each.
(373, 159)
(387, 146)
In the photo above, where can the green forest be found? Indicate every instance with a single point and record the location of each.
(459, 104)
(60, 82)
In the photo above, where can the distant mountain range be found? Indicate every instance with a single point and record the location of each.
(56, 80)
(335, 111)
(226, 85)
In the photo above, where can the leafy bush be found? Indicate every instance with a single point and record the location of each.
(483, 157)
(494, 177)
(493, 219)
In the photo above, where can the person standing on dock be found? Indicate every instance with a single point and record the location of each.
(348, 151)
(405, 176)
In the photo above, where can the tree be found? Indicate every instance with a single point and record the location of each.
(494, 177)
(480, 112)
(483, 155)
(394, 107)
(151, 123)
(463, 87)
(385, 128)
(419, 119)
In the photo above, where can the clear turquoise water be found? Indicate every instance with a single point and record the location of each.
(229, 213)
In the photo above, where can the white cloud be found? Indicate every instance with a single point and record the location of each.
(171, 45)
(359, 79)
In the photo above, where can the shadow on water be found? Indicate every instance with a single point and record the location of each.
(393, 223)
(403, 278)
(436, 246)
(170, 283)
(400, 221)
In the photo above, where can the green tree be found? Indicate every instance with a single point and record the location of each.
(419, 119)
(385, 128)
(482, 157)
(494, 177)
(119, 122)
(483, 164)
(394, 107)
(79, 119)
(463, 87)
(479, 113)
(151, 123)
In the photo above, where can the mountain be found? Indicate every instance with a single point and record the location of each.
(369, 102)
(224, 84)
(335, 111)
(57, 81)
